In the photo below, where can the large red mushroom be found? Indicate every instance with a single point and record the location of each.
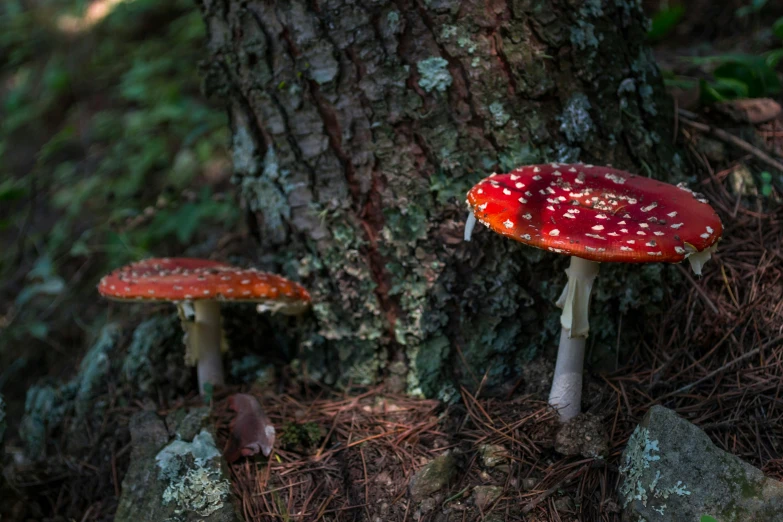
(595, 215)
(202, 285)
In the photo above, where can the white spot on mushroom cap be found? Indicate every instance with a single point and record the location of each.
(598, 227)
(508, 223)
(554, 232)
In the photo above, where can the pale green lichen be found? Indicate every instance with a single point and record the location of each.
(393, 18)
(575, 121)
(499, 115)
(45, 407)
(583, 35)
(448, 31)
(640, 453)
(95, 366)
(151, 337)
(47, 404)
(192, 470)
(465, 42)
(243, 151)
(583, 32)
(434, 74)
(644, 66)
(200, 491)
(263, 194)
(639, 456)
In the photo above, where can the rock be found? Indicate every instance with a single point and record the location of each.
(174, 480)
(492, 455)
(529, 483)
(94, 368)
(672, 471)
(186, 425)
(583, 435)
(565, 505)
(714, 150)
(752, 110)
(483, 496)
(433, 476)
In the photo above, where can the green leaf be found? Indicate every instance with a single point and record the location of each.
(9, 191)
(773, 58)
(721, 90)
(754, 7)
(777, 28)
(37, 329)
(52, 286)
(754, 72)
(664, 21)
(707, 518)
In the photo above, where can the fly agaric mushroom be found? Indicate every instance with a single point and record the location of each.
(201, 285)
(593, 214)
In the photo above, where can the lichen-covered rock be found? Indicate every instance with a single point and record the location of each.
(154, 361)
(94, 367)
(484, 496)
(434, 476)
(672, 471)
(174, 480)
(583, 435)
(493, 455)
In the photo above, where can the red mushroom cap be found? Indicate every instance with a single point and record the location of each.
(186, 279)
(596, 213)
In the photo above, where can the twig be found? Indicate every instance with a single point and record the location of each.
(725, 367)
(731, 139)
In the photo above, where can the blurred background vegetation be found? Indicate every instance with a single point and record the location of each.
(109, 152)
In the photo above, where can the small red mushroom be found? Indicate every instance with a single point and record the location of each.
(203, 284)
(251, 429)
(593, 214)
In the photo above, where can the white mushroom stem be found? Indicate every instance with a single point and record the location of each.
(566, 393)
(469, 224)
(205, 340)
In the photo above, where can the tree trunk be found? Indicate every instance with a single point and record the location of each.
(359, 125)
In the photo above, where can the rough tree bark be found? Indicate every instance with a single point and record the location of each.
(358, 126)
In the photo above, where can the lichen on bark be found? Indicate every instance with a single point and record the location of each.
(381, 114)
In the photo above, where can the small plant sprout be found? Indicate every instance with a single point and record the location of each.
(594, 215)
(197, 287)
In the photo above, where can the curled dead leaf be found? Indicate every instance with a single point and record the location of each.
(251, 429)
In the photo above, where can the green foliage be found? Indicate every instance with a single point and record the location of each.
(737, 75)
(752, 8)
(128, 157)
(707, 518)
(664, 21)
(300, 437)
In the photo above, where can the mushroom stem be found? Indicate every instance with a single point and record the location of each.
(566, 393)
(469, 224)
(205, 340)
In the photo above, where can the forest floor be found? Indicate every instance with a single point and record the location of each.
(715, 356)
